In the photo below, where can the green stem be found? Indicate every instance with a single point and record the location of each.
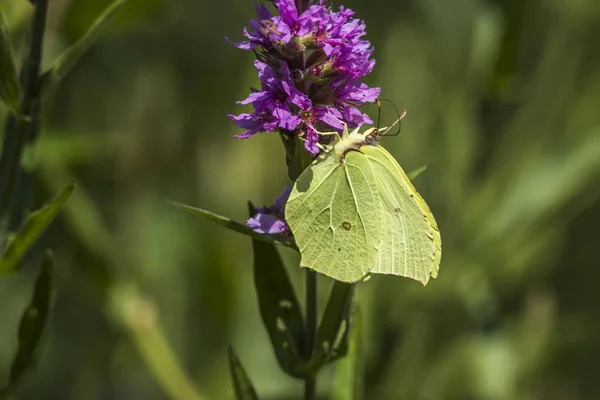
(11, 159)
(310, 384)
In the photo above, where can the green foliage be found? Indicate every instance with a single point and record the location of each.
(244, 390)
(69, 58)
(10, 87)
(279, 308)
(32, 228)
(32, 324)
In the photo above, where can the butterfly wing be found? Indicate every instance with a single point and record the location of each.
(412, 245)
(335, 215)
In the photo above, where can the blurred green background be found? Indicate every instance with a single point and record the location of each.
(503, 101)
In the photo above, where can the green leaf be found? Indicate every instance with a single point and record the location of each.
(30, 231)
(244, 390)
(414, 173)
(69, 58)
(235, 226)
(349, 371)
(10, 86)
(33, 322)
(279, 308)
(332, 335)
(300, 161)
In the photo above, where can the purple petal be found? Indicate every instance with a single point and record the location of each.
(330, 119)
(256, 96)
(310, 144)
(286, 119)
(279, 206)
(287, 11)
(253, 123)
(356, 92)
(266, 224)
(244, 135)
(354, 117)
(296, 97)
(246, 45)
(263, 12)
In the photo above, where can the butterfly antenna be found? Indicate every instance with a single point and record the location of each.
(400, 116)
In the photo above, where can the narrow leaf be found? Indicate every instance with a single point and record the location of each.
(33, 321)
(349, 371)
(69, 58)
(30, 231)
(413, 174)
(300, 161)
(10, 86)
(332, 335)
(235, 226)
(244, 390)
(279, 308)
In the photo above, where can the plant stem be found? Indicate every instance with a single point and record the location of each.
(310, 384)
(11, 156)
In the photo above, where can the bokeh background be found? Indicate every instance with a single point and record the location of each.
(503, 101)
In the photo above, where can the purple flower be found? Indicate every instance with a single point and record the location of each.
(272, 103)
(303, 94)
(271, 220)
(262, 29)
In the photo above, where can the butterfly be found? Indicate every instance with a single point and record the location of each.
(354, 212)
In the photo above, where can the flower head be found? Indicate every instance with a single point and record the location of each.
(310, 62)
(271, 220)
